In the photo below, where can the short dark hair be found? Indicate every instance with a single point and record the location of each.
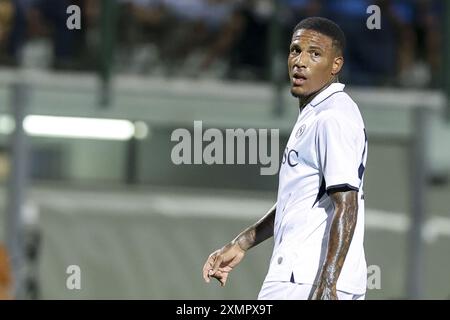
(326, 27)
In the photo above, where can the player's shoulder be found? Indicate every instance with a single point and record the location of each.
(345, 99)
(339, 100)
(338, 107)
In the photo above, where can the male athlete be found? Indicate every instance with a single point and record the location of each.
(318, 220)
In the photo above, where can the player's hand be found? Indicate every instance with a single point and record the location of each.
(220, 263)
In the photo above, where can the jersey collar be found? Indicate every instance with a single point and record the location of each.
(332, 89)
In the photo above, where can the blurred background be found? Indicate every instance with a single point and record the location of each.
(86, 116)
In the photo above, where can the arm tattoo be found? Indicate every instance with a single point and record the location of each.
(257, 233)
(341, 233)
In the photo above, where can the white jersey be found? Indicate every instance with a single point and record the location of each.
(327, 149)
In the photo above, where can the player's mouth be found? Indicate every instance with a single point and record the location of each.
(298, 79)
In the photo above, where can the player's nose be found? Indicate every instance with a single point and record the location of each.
(300, 61)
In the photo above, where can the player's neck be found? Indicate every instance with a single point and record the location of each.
(303, 101)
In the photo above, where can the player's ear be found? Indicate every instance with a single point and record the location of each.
(338, 62)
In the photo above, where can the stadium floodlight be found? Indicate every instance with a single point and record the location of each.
(79, 128)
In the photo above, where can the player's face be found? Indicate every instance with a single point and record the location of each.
(312, 62)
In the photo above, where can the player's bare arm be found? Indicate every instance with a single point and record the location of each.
(341, 233)
(221, 262)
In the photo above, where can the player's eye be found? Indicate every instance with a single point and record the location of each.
(315, 54)
(295, 50)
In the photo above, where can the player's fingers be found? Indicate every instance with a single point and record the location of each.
(205, 271)
(219, 276)
(207, 266)
(205, 274)
(216, 265)
(223, 279)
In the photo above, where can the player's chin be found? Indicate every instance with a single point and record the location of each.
(298, 91)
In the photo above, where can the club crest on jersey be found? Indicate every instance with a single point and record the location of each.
(300, 131)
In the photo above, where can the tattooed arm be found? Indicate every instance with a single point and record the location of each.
(341, 233)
